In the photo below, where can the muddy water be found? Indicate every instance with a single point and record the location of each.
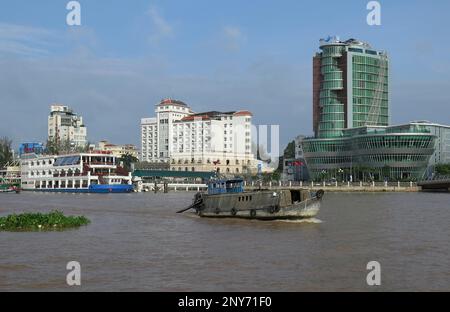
(137, 242)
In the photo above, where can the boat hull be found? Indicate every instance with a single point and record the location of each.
(265, 205)
(295, 212)
(9, 191)
(97, 189)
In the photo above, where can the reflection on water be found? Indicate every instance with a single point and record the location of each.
(138, 242)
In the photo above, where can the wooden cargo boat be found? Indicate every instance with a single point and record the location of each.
(227, 199)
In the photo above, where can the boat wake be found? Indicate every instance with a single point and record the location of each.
(307, 220)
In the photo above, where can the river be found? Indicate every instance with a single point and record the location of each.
(136, 242)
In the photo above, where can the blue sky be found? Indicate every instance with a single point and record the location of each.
(215, 55)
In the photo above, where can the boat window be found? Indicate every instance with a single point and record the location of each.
(250, 198)
(296, 196)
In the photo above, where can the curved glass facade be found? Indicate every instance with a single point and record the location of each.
(388, 153)
(332, 99)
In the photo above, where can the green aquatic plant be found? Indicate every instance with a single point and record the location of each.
(52, 221)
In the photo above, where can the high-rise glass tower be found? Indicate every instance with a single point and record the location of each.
(352, 136)
(351, 87)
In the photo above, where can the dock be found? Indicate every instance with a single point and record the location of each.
(436, 184)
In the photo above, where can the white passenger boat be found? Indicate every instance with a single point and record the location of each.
(97, 172)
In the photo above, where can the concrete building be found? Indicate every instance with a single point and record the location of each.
(213, 141)
(294, 170)
(298, 147)
(353, 139)
(156, 133)
(66, 126)
(210, 141)
(118, 150)
(149, 140)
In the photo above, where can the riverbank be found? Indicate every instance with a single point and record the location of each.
(351, 189)
(369, 187)
(359, 187)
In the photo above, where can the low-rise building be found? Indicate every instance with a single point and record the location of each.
(28, 148)
(294, 170)
(118, 150)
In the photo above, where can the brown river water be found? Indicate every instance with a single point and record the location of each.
(136, 242)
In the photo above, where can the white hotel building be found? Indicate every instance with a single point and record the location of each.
(210, 141)
(156, 132)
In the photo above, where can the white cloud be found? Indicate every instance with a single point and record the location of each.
(234, 38)
(25, 40)
(161, 27)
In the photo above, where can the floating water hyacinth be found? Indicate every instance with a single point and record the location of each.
(54, 220)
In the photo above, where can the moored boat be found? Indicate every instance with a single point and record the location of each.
(9, 189)
(227, 199)
(10, 180)
(97, 172)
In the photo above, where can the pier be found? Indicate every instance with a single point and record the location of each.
(436, 184)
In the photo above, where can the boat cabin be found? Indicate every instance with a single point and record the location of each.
(225, 186)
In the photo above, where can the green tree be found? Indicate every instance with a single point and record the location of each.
(289, 151)
(6, 152)
(57, 147)
(443, 169)
(52, 147)
(127, 159)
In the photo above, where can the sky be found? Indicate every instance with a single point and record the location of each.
(212, 54)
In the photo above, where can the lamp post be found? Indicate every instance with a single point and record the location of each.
(340, 171)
